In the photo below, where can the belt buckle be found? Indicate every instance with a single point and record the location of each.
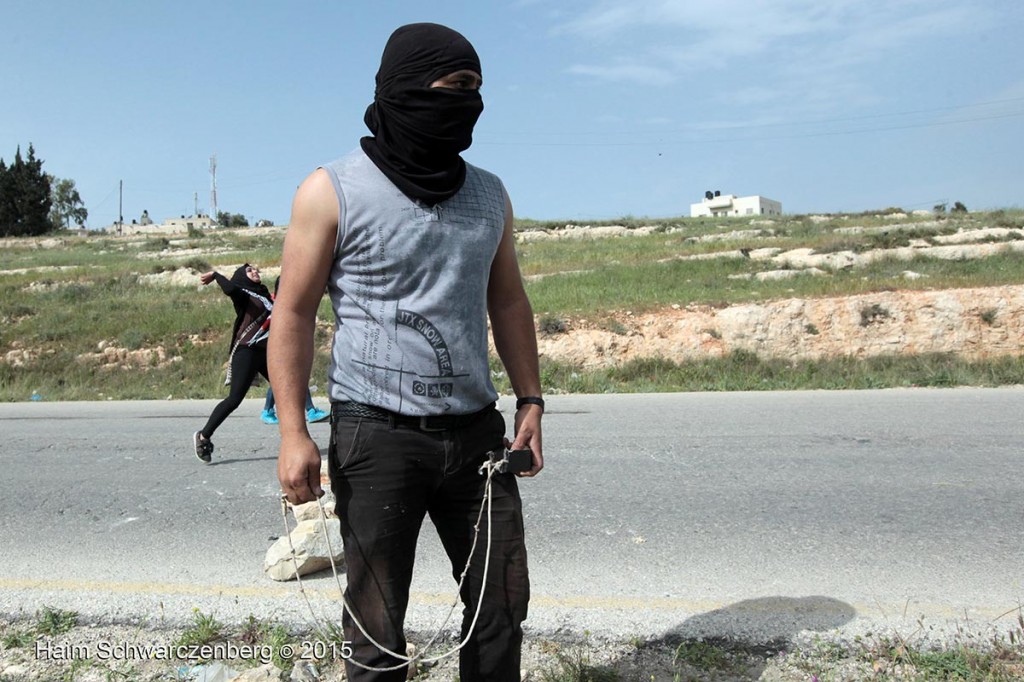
(425, 425)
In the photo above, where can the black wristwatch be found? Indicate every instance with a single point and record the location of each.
(530, 400)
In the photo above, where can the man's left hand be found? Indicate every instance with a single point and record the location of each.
(527, 430)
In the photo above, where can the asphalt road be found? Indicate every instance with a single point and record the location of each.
(751, 515)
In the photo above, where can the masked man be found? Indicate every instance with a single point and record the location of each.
(415, 248)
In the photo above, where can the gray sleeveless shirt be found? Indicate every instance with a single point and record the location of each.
(409, 292)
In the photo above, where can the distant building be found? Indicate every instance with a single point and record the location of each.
(171, 226)
(715, 204)
(183, 224)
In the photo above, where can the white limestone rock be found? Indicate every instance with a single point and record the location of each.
(312, 553)
(310, 511)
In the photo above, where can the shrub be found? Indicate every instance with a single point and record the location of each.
(873, 313)
(51, 621)
(549, 324)
(198, 264)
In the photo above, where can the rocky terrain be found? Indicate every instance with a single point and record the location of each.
(973, 323)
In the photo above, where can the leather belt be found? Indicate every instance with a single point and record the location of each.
(430, 423)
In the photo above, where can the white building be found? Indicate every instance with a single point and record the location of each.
(718, 205)
(183, 224)
(171, 226)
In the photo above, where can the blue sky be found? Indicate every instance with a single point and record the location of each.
(595, 109)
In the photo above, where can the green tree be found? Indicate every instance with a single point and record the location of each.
(958, 208)
(67, 205)
(225, 219)
(8, 212)
(24, 196)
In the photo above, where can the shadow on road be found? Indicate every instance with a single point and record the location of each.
(236, 460)
(734, 642)
(765, 620)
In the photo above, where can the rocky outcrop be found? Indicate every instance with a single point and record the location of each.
(110, 356)
(971, 323)
(584, 232)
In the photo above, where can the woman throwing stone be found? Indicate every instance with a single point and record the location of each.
(248, 354)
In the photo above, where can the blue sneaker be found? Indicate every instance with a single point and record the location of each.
(314, 415)
(269, 416)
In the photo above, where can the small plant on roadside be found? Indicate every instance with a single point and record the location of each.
(17, 639)
(702, 656)
(574, 666)
(988, 316)
(252, 630)
(331, 632)
(811, 329)
(77, 665)
(128, 674)
(964, 658)
(204, 630)
(277, 637)
(265, 633)
(51, 621)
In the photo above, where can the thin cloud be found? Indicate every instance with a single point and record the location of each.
(634, 73)
(811, 46)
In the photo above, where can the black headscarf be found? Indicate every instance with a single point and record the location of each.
(419, 131)
(240, 279)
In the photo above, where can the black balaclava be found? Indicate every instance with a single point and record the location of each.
(419, 131)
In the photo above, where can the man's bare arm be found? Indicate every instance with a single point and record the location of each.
(515, 339)
(305, 267)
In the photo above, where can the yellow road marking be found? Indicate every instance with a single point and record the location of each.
(429, 598)
(276, 590)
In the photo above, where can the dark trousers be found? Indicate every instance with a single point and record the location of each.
(246, 362)
(386, 478)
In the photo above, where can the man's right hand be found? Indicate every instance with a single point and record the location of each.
(298, 469)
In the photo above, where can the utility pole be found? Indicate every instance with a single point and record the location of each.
(120, 207)
(213, 188)
(195, 203)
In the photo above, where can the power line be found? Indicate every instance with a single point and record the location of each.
(831, 133)
(752, 126)
(105, 199)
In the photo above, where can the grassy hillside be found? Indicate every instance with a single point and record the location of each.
(84, 318)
